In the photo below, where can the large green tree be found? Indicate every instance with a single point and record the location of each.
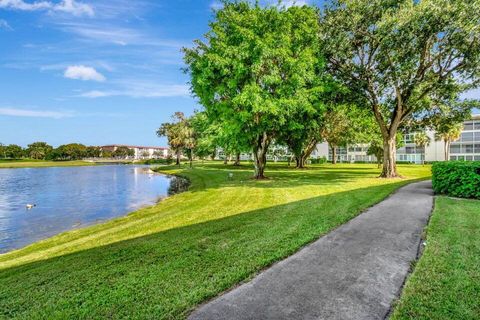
(71, 151)
(13, 151)
(205, 135)
(301, 133)
(2, 150)
(124, 152)
(255, 68)
(93, 152)
(399, 56)
(39, 150)
(345, 124)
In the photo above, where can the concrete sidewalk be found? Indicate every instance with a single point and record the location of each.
(354, 272)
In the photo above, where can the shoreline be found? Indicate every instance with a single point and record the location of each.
(180, 184)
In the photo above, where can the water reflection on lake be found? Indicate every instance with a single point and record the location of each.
(72, 197)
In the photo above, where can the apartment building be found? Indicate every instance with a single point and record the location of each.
(466, 148)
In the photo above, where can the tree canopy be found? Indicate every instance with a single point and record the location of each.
(256, 68)
(39, 150)
(404, 58)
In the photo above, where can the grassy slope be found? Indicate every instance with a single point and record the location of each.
(160, 262)
(29, 163)
(446, 280)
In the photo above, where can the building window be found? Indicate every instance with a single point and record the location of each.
(467, 148)
(410, 150)
(453, 157)
(469, 158)
(455, 148)
(477, 136)
(467, 136)
(477, 125)
(468, 126)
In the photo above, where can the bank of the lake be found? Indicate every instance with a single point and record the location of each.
(65, 198)
(164, 260)
(30, 163)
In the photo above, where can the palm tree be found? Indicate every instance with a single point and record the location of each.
(176, 133)
(448, 133)
(422, 140)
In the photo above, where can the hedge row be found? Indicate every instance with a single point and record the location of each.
(457, 178)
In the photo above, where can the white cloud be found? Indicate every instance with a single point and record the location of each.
(83, 73)
(97, 94)
(140, 89)
(75, 8)
(105, 33)
(14, 112)
(65, 6)
(4, 25)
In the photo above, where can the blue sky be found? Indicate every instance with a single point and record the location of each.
(95, 71)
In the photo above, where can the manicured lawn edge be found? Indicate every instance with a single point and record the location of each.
(43, 164)
(202, 259)
(445, 282)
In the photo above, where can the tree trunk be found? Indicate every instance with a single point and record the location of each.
(389, 157)
(178, 158)
(447, 150)
(299, 164)
(260, 156)
(237, 159)
(379, 160)
(334, 155)
(301, 160)
(225, 161)
(302, 156)
(304, 160)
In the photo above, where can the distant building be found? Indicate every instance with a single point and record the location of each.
(141, 152)
(466, 148)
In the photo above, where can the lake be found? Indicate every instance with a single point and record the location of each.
(73, 197)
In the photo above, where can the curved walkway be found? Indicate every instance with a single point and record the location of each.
(354, 272)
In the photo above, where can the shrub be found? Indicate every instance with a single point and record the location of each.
(457, 178)
(158, 161)
(321, 160)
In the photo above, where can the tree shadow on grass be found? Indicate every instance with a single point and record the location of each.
(166, 274)
(218, 176)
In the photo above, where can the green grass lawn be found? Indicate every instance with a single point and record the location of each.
(162, 261)
(30, 163)
(446, 280)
